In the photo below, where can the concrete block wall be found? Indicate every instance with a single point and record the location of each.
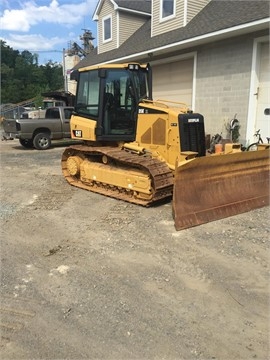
(222, 84)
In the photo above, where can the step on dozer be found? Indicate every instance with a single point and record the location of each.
(214, 187)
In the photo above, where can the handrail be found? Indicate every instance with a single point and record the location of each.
(162, 103)
(14, 106)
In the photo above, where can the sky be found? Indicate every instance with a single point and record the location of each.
(46, 27)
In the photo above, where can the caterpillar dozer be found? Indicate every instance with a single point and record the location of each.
(139, 150)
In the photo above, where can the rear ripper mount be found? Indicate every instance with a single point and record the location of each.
(118, 173)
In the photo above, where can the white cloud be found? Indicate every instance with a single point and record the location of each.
(14, 20)
(30, 14)
(34, 42)
(44, 26)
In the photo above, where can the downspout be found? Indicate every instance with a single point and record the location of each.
(185, 12)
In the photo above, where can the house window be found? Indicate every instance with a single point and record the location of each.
(167, 8)
(107, 28)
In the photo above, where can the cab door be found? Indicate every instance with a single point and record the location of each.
(119, 106)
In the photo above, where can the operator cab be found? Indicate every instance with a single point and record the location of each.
(110, 96)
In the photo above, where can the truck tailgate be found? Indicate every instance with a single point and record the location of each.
(10, 132)
(9, 126)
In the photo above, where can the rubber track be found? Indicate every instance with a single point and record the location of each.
(161, 175)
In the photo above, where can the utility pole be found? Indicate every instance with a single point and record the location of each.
(64, 71)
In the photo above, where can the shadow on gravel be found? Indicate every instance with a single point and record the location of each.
(57, 144)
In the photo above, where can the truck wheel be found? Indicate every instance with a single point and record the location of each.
(42, 141)
(27, 143)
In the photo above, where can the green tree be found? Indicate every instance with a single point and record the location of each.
(22, 78)
(8, 55)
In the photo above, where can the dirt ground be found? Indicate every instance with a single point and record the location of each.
(88, 277)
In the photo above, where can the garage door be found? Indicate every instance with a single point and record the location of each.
(173, 81)
(263, 93)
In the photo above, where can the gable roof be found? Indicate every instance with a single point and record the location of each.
(218, 19)
(138, 6)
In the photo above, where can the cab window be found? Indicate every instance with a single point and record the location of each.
(88, 94)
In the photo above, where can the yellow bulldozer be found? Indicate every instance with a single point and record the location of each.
(143, 151)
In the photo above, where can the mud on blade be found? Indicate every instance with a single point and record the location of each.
(215, 187)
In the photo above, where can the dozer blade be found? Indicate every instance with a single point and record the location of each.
(215, 187)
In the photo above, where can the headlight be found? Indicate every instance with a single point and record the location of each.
(133, 66)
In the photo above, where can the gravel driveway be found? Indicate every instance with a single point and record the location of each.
(88, 277)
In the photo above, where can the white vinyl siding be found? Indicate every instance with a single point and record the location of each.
(173, 81)
(106, 12)
(194, 7)
(160, 25)
(128, 24)
(185, 10)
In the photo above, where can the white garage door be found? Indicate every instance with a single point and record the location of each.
(173, 81)
(263, 93)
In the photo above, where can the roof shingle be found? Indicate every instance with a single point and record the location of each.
(139, 5)
(215, 16)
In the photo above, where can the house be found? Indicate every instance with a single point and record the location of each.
(210, 54)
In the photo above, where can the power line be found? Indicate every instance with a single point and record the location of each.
(60, 51)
